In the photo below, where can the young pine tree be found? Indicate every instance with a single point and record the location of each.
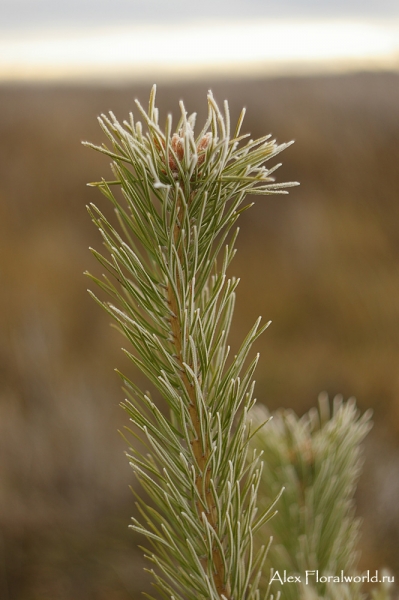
(178, 197)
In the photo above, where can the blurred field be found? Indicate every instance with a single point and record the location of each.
(322, 263)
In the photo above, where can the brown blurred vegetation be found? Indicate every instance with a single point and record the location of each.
(322, 263)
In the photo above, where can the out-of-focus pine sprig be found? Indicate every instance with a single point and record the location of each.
(317, 459)
(166, 259)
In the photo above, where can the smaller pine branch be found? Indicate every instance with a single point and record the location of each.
(317, 459)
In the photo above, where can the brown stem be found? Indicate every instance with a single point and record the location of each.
(201, 454)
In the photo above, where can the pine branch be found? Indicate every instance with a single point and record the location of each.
(317, 459)
(167, 263)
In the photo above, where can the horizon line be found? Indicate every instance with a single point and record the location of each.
(263, 47)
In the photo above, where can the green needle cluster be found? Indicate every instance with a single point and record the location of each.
(318, 459)
(167, 255)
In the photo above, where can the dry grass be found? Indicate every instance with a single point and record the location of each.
(322, 263)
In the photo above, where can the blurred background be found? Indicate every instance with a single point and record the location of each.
(321, 263)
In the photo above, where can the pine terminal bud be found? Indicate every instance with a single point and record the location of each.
(177, 145)
(202, 146)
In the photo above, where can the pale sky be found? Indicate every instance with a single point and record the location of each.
(102, 39)
(20, 14)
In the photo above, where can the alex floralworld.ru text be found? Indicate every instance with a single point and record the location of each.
(315, 577)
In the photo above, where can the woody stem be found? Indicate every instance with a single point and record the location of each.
(200, 449)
